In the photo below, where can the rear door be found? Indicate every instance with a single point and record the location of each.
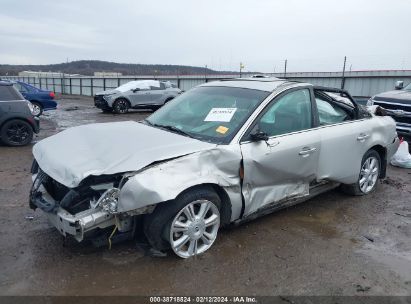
(157, 94)
(344, 139)
(283, 166)
(139, 97)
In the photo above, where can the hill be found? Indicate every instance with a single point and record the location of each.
(88, 67)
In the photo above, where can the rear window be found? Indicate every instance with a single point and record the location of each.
(8, 93)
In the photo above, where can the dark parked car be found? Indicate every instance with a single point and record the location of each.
(17, 122)
(398, 104)
(42, 100)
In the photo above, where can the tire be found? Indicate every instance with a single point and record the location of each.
(16, 132)
(38, 109)
(367, 182)
(200, 232)
(121, 106)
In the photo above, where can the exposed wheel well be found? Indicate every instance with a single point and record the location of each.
(225, 200)
(383, 155)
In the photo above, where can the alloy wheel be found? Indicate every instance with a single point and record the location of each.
(36, 109)
(121, 106)
(194, 229)
(17, 132)
(369, 174)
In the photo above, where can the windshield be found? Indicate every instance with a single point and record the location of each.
(408, 87)
(213, 114)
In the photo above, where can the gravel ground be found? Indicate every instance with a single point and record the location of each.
(333, 244)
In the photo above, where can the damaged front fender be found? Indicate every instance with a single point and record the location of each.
(166, 180)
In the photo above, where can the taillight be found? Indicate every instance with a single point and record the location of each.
(52, 95)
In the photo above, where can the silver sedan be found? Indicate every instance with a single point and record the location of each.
(222, 153)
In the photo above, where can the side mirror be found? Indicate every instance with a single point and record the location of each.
(136, 90)
(258, 136)
(399, 85)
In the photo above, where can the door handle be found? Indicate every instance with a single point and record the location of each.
(307, 151)
(363, 137)
(272, 143)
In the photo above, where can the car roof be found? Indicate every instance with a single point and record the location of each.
(6, 83)
(268, 84)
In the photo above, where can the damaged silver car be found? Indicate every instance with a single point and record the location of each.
(222, 153)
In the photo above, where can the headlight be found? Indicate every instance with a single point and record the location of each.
(109, 96)
(370, 102)
(31, 108)
(108, 201)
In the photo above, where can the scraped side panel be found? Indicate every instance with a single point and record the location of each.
(279, 169)
(165, 181)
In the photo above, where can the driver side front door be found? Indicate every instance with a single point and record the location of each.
(281, 167)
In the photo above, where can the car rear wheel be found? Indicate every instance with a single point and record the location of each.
(37, 109)
(121, 106)
(16, 133)
(368, 177)
(188, 226)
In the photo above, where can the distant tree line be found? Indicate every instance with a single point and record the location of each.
(88, 67)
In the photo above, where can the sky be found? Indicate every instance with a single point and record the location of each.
(312, 35)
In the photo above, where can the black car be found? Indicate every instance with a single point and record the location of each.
(398, 104)
(17, 122)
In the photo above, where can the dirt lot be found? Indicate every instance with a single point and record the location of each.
(333, 244)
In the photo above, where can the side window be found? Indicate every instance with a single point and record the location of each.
(289, 113)
(153, 88)
(330, 113)
(8, 93)
(20, 88)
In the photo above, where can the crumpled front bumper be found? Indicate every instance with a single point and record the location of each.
(79, 224)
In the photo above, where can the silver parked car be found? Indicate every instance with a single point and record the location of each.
(136, 94)
(224, 152)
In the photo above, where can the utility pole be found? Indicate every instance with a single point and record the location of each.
(205, 73)
(285, 68)
(241, 68)
(343, 74)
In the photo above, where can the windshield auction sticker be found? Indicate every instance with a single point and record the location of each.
(221, 129)
(220, 114)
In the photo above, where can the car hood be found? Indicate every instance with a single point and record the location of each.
(108, 148)
(401, 96)
(107, 92)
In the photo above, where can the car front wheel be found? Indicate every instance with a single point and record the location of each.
(194, 229)
(188, 225)
(368, 177)
(16, 133)
(121, 106)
